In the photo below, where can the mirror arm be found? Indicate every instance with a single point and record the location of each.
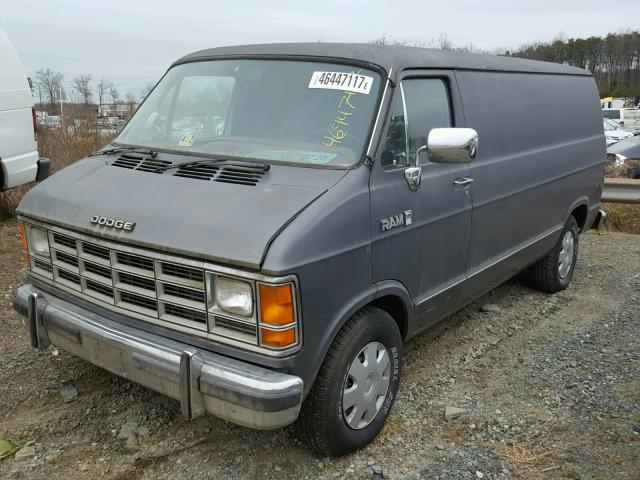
(421, 149)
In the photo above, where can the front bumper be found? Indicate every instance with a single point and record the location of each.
(202, 381)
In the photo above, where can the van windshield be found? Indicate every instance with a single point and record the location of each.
(283, 111)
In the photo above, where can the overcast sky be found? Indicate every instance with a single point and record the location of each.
(132, 42)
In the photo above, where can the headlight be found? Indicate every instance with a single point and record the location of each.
(234, 296)
(39, 241)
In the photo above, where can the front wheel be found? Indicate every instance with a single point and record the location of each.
(555, 271)
(356, 386)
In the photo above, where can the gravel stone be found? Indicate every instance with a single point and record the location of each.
(68, 391)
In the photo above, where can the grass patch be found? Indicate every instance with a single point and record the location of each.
(523, 456)
(622, 217)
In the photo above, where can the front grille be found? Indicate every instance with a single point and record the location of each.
(99, 288)
(186, 313)
(95, 251)
(64, 240)
(235, 329)
(97, 270)
(134, 261)
(43, 265)
(68, 259)
(135, 281)
(138, 301)
(185, 273)
(68, 276)
(164, 292)
(181, 292)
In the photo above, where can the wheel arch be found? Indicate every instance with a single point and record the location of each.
(390, 296)
(580, 211)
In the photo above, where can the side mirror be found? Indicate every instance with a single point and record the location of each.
(452, 145)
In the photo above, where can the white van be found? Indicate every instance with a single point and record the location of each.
(19, 160)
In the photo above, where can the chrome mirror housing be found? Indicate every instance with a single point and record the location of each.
(452, 145)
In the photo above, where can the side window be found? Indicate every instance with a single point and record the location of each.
(394, 152)
(428, 107)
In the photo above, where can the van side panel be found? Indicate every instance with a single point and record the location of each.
(541, 153)
(18, 150)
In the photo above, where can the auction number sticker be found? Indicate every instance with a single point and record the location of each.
(347, 82)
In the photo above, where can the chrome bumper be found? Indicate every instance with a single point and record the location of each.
(203, 382)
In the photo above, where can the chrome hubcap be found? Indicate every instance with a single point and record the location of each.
(366, 385)
(565, 259)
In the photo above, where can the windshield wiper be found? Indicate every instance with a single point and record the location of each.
(116, 150)
(217, 161)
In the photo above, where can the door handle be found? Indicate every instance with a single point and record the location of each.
(463, 181)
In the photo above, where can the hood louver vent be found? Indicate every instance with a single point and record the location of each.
(200, 172)
(237, 174)
(140, 162)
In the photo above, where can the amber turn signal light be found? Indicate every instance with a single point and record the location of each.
(276, 304)
(23, 236)
(278, 338)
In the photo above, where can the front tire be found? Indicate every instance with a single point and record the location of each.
(555, 271)
(356, 386)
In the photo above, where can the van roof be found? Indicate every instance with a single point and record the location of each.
(391, 58)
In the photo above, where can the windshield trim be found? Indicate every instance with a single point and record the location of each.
(303, 58)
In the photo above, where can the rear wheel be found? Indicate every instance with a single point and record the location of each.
(555, 271)
(355, 387)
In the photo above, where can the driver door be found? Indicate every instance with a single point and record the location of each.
(421, 238)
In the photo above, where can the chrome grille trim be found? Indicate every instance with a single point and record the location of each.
(41, 276)
(126, 278)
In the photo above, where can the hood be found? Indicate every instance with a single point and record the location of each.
(213, 214)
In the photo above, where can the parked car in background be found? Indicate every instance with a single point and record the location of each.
(613, 132)
(625, 117)
(626, 151)
(19, 159)
(262, 254)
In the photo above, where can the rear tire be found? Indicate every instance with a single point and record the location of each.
(364, 360)
(555, 271)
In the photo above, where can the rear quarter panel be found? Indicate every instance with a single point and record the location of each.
(541, 154)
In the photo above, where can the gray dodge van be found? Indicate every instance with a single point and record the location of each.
(275, 221)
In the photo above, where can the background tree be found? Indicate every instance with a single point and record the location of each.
(131, 102)
(82, 85)
(103, 89)
(50, 83)
(614, 59)
(114, 94)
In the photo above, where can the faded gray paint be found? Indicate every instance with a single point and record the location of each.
(324, 225)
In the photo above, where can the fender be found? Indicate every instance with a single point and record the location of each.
(381, 289)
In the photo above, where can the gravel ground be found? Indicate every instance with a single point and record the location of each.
(549, 387)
